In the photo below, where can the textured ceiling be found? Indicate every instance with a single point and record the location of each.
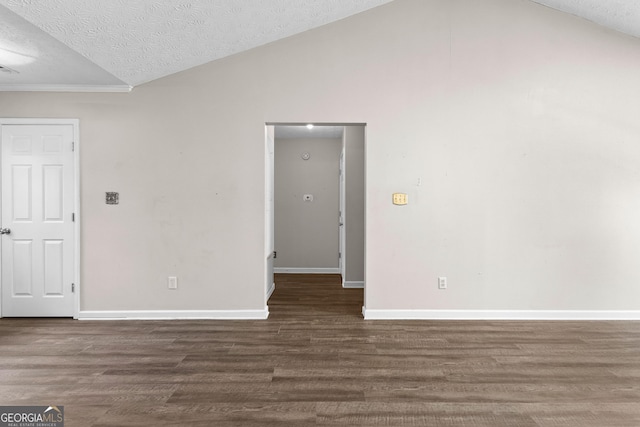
(115, 44)
(34, 57)
(141, 40)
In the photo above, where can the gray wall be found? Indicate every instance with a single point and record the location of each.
(512, 127)
(306, 233)
(354, 209)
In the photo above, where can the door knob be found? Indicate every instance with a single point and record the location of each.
(5, 231)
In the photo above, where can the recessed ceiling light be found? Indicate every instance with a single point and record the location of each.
(309, 126)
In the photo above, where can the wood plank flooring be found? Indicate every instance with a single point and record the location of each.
(315, 361)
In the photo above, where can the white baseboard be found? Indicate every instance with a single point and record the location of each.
(353, 285)
(270, 290)
(175, 314)
(499, 314)
(306, 270)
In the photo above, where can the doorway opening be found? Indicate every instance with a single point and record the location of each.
(314, 203)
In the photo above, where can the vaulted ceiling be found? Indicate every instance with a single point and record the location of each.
(117, 44)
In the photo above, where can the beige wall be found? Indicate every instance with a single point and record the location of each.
(512, 127)
(354, 201)
(306, 233)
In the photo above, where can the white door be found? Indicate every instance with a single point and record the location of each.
(37, 207)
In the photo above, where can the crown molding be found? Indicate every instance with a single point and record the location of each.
(66, 88)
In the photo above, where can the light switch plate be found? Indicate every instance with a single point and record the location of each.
(400, 199)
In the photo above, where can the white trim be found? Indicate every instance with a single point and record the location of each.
(75, 123)
(501, 314)
(65, 88)
(37, 121)
(175, 314)
(306, 270)
(270, 290)
(342, 227)
(77, 216)
(269, 203)
(353, 285)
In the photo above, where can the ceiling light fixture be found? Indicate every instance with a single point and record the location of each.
(11, 57)
(4, 69)
(309, 126)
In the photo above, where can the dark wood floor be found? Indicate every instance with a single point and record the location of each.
(317, 362)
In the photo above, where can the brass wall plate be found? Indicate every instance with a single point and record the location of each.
(400, 199)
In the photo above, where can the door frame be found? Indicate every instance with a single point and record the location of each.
(75, 123)
(269, 218)
(269, 236)
(342, 226)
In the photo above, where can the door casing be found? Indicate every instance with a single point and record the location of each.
(342, 226)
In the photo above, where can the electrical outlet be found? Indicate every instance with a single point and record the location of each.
(442, 283)
(173, 282)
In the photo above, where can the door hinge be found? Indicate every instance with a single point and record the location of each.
(275, 254)
(339, 255)
(73, 288)
(73, 146)
(73, 217)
